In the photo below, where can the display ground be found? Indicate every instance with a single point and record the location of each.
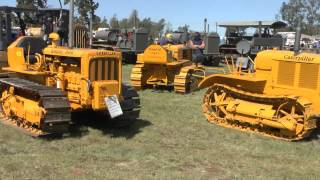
(172, 140)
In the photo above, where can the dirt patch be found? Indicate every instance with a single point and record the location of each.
(187, 167)
(208, 170)
(213, 170)
(79, 172)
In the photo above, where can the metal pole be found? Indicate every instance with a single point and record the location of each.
(216, 27)
(71, 9)
(260, 27)
(90, 29)
(134, 22)
(1, 38)
(205, 26)
(8, 27)
(298, 38)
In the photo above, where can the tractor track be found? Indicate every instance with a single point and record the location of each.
(57, 116)
(227, 120)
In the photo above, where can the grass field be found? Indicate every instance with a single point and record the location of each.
(172, 140)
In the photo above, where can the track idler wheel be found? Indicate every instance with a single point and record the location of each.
(214, 105)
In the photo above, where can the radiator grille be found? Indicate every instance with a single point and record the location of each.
(286, 73)
(103, 69)
(309, 76)
(80, 37)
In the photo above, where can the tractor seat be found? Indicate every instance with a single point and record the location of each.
(37, 44)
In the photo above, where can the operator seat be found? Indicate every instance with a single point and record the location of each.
(37, 44)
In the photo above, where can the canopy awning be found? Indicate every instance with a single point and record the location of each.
(253, 24)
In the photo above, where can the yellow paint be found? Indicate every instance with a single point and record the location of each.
(84, 74)
(102, 90)
(277, 73)
(15, 55)
(161, 66)
(21, 107)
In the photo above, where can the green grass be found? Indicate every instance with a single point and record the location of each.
(171, 141)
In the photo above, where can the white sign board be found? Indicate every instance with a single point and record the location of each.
(113, 105)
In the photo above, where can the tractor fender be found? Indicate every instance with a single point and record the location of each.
(246, 83)
(211, 80)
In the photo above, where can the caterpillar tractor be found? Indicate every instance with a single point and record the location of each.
(280, 98)
(168, 66)
(44, 84)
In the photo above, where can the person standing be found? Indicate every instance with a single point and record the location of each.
(198, 45)
(197, 42)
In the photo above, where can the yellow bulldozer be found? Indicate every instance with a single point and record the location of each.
(167, 66)
(280, 98)
(45, 83)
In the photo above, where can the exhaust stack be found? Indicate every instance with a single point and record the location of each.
(71, 13)
(205, 26)
(298, 38)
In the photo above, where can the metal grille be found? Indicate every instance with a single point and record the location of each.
(104, 69)
(80, 37)
(309, 74)
(286, 73)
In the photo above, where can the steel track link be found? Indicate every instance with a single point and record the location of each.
(137, 77)
(58, 112)
(185, 82)
(309, 119)
(181, 81)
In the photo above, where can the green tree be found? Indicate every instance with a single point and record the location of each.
(114, 22)
(85, 8)
(154, 28)
(146, 23)
(158, 28)
(307, 10)
(124, 24)
(96, 22)
(32, 4)
(133, 20)
(312, 9)
(184, 28)
(104, 23)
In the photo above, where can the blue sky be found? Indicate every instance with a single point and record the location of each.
(187, 11)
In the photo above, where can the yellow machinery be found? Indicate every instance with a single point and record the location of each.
(47, 83)
(280, 99)
(167, 66)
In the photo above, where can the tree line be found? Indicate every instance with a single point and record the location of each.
(133, 21)
(293, 10)
(306, 10)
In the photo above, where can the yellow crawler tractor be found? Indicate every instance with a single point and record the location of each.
(46, 83)
(279, 99)
(168, 66)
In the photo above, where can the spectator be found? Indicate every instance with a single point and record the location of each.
(198, 45)
(167, 40)
(318, 44)
(197, 42)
